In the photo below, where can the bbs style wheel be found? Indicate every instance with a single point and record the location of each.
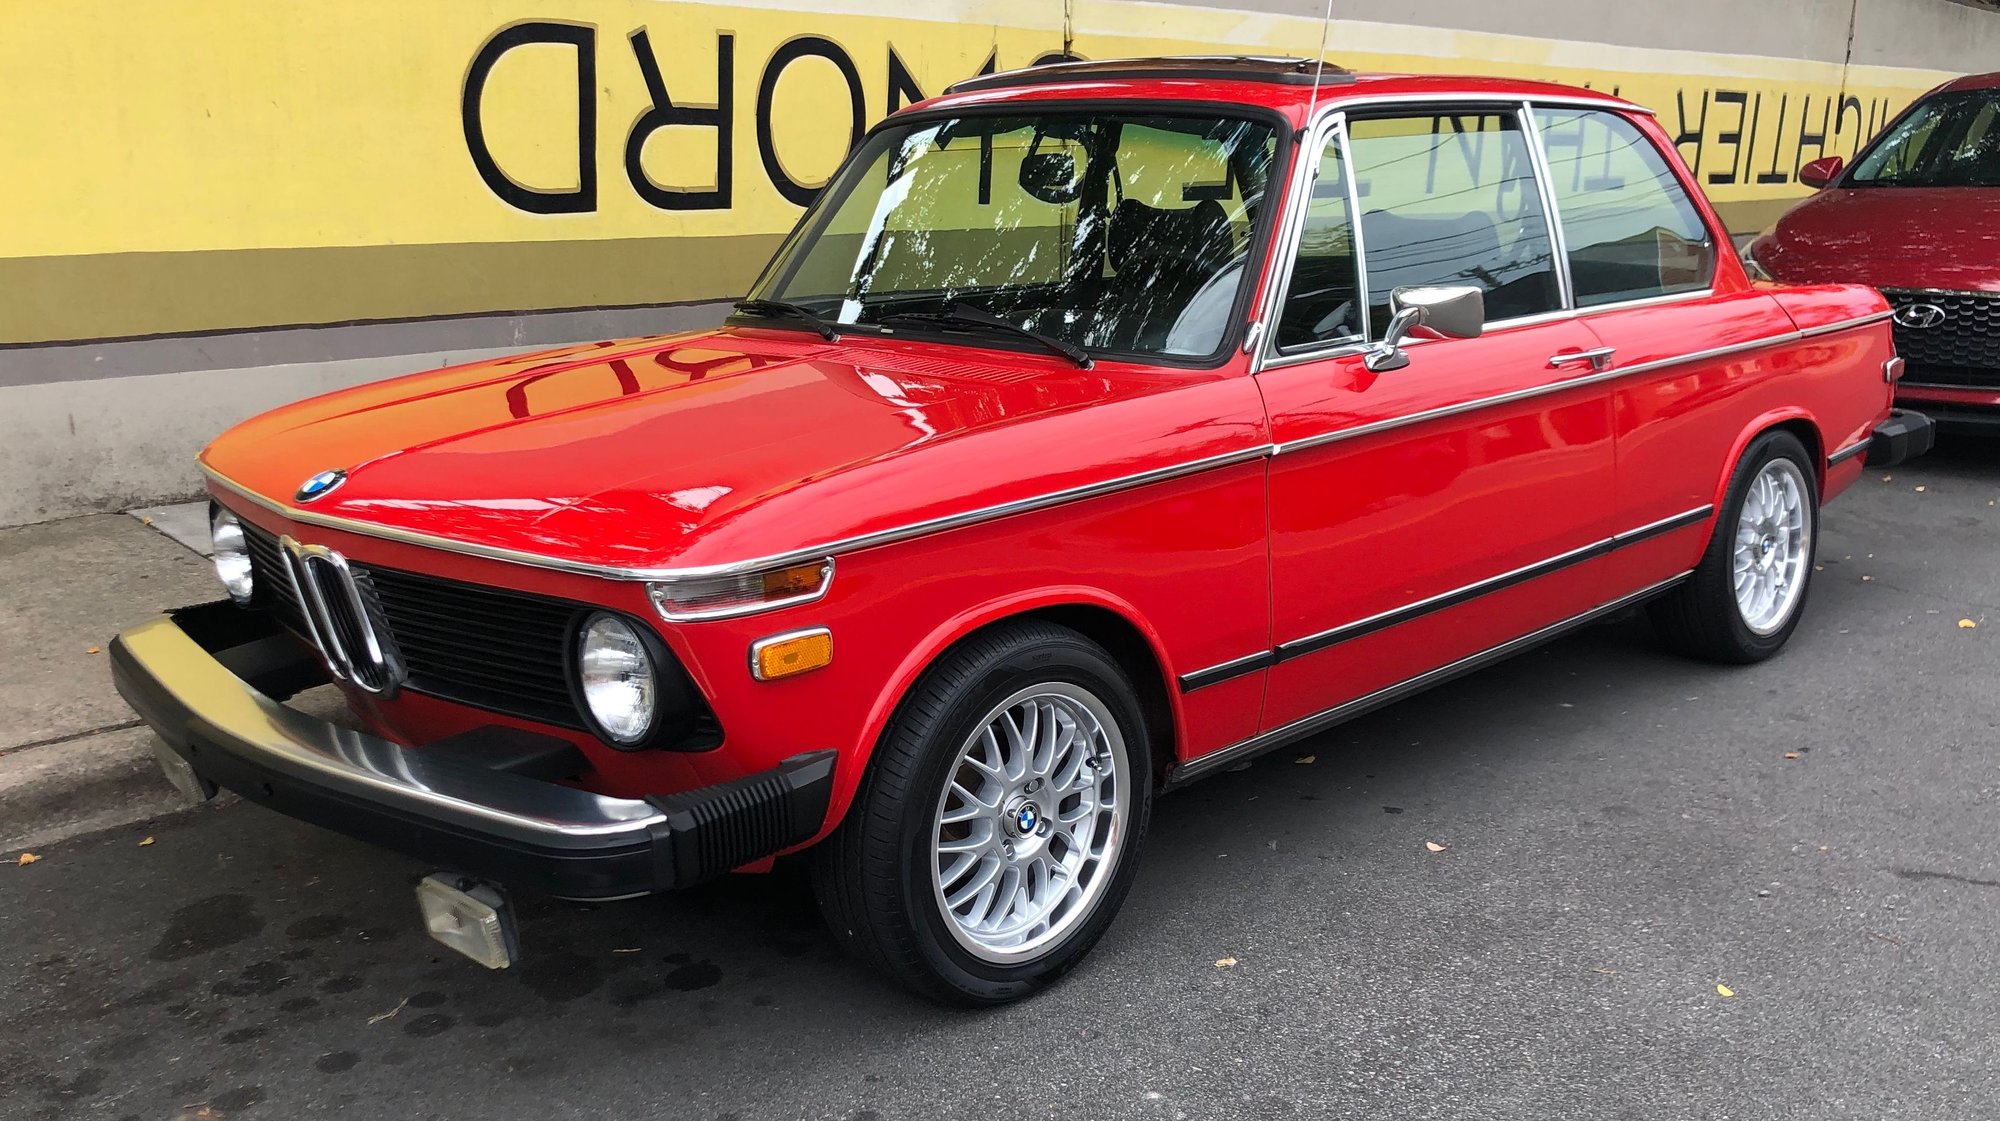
(1749, 589)
(998, 828)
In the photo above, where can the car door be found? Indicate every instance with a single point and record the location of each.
(1680, 342)
(1423, 515)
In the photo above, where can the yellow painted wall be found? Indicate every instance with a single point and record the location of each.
(212, 165)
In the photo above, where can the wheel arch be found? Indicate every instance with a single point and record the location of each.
(1798, 421)
(1105, 619)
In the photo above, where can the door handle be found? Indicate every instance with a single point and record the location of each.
(1599, 359)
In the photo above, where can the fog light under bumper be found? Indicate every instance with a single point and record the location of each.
(469, 916)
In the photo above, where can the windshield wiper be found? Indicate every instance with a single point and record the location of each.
(965, 315)
(806, 315)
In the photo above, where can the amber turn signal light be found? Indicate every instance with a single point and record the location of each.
(791, 654)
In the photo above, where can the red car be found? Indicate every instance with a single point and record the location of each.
(1918, 216)
(1101, 426)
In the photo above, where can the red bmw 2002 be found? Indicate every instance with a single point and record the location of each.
(1101, 426)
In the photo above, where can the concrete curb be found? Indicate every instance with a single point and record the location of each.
(96, 781)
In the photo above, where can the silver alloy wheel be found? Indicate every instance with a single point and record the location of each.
(1773, 546)
(1030, 824)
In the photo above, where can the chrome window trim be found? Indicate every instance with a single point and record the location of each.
(1538, 158)
(1224, 757)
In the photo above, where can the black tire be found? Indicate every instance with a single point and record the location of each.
(1700, 617)
(874, 876)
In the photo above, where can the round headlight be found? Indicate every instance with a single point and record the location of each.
(232, 554)
(616, 676)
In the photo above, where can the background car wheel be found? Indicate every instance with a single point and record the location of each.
(1749, 590)
(998, 828)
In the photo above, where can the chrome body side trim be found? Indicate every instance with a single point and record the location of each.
(1383, 620)
(1844, 325)
(1223, 758)
(1321, 640)
(1234, 668)
(1848, 452)
(755, 564)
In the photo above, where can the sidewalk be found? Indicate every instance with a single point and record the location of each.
(73, 758)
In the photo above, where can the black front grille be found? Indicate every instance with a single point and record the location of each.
(490, 648)
(1963, 348)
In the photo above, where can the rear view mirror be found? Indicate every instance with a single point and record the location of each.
(1050, 176)
(1453, 312)
(1821, 172)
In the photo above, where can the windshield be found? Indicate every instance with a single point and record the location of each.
(1951, 140)
(1121, 233)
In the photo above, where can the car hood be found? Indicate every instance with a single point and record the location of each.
(724, 446)
(1890, 237)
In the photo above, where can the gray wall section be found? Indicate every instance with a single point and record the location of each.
(107, 426)
(93, 427)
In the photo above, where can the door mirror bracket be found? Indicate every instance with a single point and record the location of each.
(1455, 312)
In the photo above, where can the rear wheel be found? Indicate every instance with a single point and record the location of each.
(998, 828)
(1749, 590)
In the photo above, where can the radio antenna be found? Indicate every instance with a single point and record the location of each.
(1319, 65)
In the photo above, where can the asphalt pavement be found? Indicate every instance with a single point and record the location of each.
(1666, 890)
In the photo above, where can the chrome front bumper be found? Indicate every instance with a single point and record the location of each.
(184, 675)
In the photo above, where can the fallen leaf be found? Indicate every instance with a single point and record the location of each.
(92, 650)
(1920, 490)
(1224, 963)
(1724, 990)
(144, 843)
(391, 1013)
(1867, 578)
(1791, 755)
(1306, 759)
(145, 521)
(1966, 624)
(27, 858)
(1887, 478)
(1434, 846)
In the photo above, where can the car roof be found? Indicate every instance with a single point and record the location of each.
(1972, 82)
(1290, 85)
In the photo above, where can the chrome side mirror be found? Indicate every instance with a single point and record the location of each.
(1457, 312)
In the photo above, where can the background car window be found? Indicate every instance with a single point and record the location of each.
(1323, 302)
(1950, 140)
(1631, 230)
(1451, 199)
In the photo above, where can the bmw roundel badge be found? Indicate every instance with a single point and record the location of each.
(321, 484)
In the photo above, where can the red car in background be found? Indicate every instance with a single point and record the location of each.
(1917, 215)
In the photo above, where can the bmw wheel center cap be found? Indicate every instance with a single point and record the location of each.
(320, 485)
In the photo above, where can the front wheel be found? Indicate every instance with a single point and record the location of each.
(998, 828)
(1746, 595)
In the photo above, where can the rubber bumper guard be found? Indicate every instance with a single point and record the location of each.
(181, 674)
(1907, 434)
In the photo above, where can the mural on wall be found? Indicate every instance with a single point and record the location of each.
(306, 163)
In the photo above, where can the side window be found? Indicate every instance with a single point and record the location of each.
(1631, 230)
(1323, 302)
(1451, 199)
